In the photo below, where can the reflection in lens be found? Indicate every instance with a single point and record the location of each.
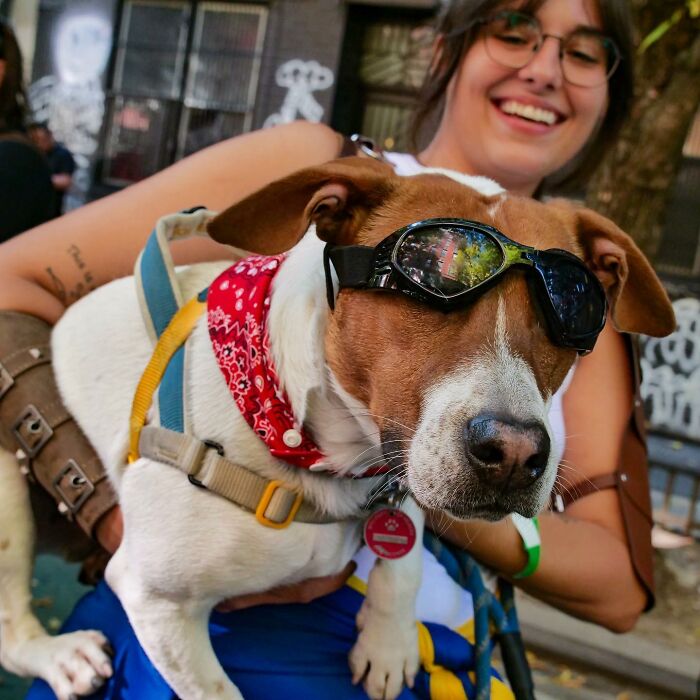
(448, 259)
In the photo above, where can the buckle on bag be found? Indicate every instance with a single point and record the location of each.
(78, 481)
(32, 430)
(264, 502)
(6, 380)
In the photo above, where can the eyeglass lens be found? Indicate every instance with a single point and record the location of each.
(588, 59)
(448, 260)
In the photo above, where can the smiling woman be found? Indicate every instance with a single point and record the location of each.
(519, 116)
(515, 115)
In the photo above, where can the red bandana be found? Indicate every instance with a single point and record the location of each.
(238, 303)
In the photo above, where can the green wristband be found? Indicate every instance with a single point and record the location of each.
(529, 531)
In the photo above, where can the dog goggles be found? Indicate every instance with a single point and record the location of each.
(448, 263)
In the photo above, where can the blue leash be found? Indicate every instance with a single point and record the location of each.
(488, 610)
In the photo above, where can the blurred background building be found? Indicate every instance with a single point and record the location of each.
(130, 86)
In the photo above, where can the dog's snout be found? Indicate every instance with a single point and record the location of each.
(506, 453)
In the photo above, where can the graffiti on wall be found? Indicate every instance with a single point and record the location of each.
(671, 374)
(72, 100)
(301, 79)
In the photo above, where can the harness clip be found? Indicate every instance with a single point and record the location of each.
(212, 445)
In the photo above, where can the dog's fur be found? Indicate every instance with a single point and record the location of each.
(381, 373)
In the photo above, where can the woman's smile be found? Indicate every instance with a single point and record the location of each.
(527, 115)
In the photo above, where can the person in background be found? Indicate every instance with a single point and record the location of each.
(517, 119)
(26, 194)
(61, 161)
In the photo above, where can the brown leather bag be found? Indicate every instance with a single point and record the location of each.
(51, 449)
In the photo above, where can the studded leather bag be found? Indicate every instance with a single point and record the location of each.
(52, 452)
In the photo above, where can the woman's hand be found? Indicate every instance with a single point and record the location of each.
(110, 529)
(303, 592)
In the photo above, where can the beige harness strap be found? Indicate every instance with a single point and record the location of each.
(274, 504)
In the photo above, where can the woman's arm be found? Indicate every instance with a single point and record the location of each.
(46, 269)
(585, 566)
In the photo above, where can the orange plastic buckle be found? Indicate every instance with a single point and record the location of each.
(265, 502)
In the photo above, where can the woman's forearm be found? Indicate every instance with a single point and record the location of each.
(598, 584)
(46, 269)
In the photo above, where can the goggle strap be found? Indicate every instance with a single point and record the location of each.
(352, 264)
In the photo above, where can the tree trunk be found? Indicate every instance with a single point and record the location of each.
(633, 183)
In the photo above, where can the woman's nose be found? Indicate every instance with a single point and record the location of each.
(545, 70)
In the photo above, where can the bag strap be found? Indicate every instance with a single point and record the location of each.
(359, 145)
(631, 481)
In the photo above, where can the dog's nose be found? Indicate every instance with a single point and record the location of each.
(506, 453)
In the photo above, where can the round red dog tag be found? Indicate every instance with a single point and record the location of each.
(390, 533)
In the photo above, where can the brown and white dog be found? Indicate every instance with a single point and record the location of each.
(381, 370)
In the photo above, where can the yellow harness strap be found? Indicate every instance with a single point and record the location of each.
(171, 339)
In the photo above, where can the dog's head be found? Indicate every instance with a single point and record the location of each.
(461, 397)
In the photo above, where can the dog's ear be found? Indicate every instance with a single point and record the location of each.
(337, 196)
(638, 301)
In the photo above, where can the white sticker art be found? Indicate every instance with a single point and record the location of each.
(301, 79)
(72, 102)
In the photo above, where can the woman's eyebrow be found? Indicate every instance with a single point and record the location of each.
(588, 28)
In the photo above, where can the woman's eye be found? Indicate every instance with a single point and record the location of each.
(585, 50)
(512, 38)
(583, 57)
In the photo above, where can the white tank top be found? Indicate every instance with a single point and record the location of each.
(440, 599)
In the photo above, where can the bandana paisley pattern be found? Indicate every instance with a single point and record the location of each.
(238, 303)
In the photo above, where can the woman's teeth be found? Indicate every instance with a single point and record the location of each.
(535, 114)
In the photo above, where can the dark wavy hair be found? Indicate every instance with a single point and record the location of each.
(13, 98)
(456, 24)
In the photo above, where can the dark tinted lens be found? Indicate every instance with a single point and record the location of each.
(576, 295)
(448, 259)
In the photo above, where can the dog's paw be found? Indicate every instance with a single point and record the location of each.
(385, 657)
(73, 664)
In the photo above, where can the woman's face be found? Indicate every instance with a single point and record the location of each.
(484, 119)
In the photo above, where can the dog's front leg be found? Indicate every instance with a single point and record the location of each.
(72, 664)
(386, 651)
(173, 632)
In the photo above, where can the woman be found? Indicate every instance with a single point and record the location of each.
(26, 196)
(516, 123)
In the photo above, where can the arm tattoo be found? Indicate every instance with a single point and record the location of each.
(58, 286)
(82, 287)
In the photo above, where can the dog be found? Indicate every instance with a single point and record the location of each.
(380, 369)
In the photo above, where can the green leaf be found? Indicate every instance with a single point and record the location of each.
(693, 8)
(657, 33)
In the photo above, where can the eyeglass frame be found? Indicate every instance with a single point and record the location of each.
(617, 54)
(383, 269)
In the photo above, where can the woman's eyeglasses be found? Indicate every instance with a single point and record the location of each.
(448, 263)
(588, 58)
